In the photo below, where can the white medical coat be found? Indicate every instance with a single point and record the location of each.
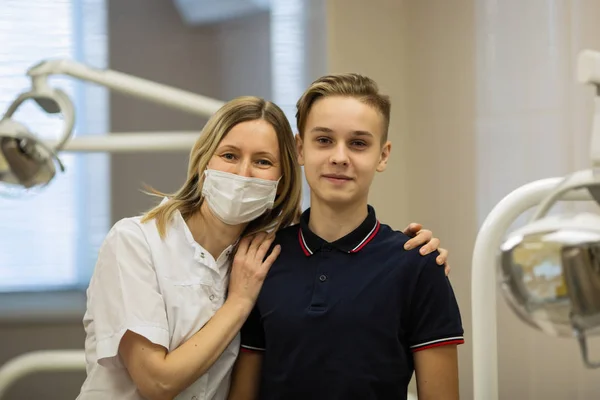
(164, 290)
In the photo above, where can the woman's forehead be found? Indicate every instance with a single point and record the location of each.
(252, 136)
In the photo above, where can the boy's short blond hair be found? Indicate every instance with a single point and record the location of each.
(348, 85)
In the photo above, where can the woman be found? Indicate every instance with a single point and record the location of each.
(164, 307)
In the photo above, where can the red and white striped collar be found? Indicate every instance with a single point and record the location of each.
(351, 243)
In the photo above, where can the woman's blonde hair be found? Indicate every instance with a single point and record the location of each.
(189, 197)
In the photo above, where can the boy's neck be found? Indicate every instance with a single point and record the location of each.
(334, 221)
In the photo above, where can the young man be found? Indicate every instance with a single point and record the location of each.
(345, 311)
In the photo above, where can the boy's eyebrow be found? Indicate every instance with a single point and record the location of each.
(323, 129)
(362, 133)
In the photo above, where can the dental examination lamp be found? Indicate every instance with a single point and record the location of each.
(27, 162)
(548, 270)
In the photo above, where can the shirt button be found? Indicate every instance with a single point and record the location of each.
(323, 278)
(194, 397)
(202, 255)
(211, 297)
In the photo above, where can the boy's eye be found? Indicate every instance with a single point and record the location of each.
(358, 143)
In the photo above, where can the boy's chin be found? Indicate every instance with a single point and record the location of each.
(338, 198)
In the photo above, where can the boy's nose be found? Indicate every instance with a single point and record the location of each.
(339, 156)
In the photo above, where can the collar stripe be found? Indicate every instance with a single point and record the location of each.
(367, 239)
(307, 251)
(303, 244)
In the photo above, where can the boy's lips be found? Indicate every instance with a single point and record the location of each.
(337, 178)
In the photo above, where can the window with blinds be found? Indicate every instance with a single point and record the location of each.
(50, 240)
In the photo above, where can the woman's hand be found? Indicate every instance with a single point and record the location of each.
(425, 237)
(250, 267)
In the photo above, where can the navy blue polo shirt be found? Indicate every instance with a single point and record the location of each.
(341, 320)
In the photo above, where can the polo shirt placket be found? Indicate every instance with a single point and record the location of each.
(323, 254)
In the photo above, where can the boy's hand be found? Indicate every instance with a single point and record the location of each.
(425, 237)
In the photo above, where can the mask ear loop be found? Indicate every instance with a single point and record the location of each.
(203, 180)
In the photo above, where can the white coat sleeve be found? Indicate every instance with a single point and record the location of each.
(124, 293)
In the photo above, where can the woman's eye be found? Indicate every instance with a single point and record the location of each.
(265, 163)
(323, 140)
(228, 156)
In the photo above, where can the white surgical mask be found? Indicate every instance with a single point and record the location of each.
(236, 199)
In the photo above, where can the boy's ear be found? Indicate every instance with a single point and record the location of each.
(384, 156)
(300, 149)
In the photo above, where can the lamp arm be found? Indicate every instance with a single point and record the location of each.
(130, 142)
(126, 84)
(585, 179)
(39, 361)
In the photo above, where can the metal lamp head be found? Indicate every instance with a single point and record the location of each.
(549, 272)
(26, 162)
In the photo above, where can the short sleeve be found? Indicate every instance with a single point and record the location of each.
(124, 294)
(252, 333)
(434, 313)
